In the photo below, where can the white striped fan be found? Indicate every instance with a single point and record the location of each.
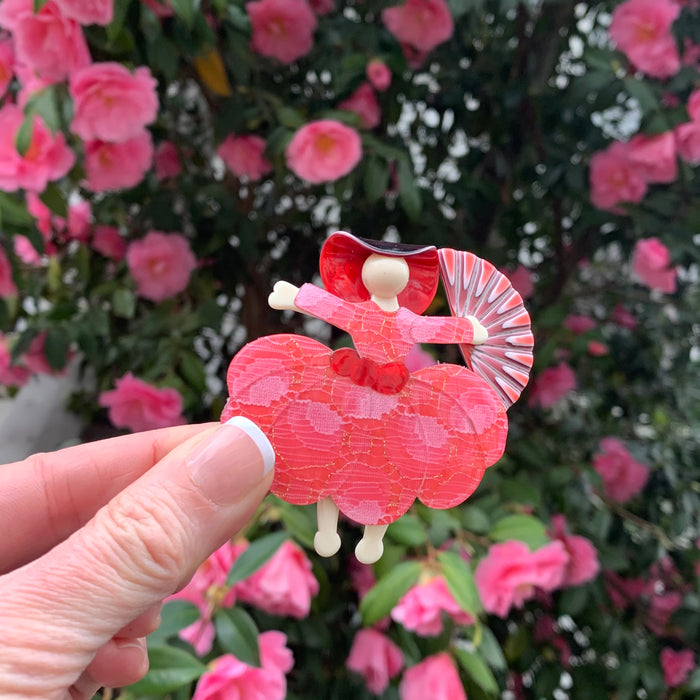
(476, 288)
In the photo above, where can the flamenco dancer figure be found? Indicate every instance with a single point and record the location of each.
(355, 431)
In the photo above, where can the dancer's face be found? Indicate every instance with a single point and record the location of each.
(385, 276)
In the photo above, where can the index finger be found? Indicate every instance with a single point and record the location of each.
(47, 496)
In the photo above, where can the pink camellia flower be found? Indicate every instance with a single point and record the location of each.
(107, 241)
(362, 577)
(11, 375)
(41, 213)
(583, 565)
(418, 358)
(161, 8)
(245, 156)
(614, 179)
(578, 323)
(284, 585)
(363, 102)
(322, 7)
(550, 561)
(166, 161)
(378, 74)
(117, 166)
(323, 151)
(623, 476)
(642, 31)
(622, 591)
(88, 11)
(623, 318)
(597, 349)
(111, 103)
(551, 385)
(688, 141)
(228, 678)
(693, 105)
(661, 607)
(654, 157)
(207, 590)
(435, 677)
(376, 658)
(521, 279)
(420, 610)
(422, 24)
(676, 665)
(281, 29)
(7, 64)
(79, 221)
(47, 158)
(651, 265)
(30, 83)
(137, 405)
(161, 264)
(49, 42)
(7, 283)
(504, 577)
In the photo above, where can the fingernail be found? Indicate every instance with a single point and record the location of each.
(235, 458)
(130, 643)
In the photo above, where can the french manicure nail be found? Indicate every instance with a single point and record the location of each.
(231, 461)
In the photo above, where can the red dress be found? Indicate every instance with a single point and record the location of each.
(374, 438)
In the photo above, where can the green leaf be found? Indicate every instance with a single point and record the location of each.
(238, 635)
(124, 303)
(289, 117)
(175, 616)
(491, 650)
(376, 178)
(299, 521)
(23, 343)
(255, 556)
(640, 90)
(524, 528)
(408, 530)
(477, 669)
(56, 347)
(382, 597)
(44, 103)
(23, 137)
(38, 4)
(119, 15)
(169, 669)
(460, 581)
(409, 194)
(474, 519)
(185, 10)
(192, 368)
(13, 212)
(54, 200)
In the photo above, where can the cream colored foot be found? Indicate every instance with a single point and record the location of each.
(327, 539)
(370, 548)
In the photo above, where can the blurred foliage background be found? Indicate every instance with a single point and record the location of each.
(485, 146)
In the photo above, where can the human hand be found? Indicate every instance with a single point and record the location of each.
(96, 536)
(283, 296)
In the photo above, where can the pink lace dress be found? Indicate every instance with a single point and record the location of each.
(358, 426)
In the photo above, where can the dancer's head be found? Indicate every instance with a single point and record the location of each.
(349, 265)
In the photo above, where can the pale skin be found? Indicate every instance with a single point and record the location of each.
(97, 536)
(385, 277)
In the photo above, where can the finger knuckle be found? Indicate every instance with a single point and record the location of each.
(148, 537)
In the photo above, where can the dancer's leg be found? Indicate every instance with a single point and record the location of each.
(327, 540)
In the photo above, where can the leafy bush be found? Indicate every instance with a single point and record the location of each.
(513, 129)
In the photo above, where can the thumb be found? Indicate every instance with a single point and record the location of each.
(139, 548)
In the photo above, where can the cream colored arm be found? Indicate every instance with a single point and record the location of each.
(282, 297)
